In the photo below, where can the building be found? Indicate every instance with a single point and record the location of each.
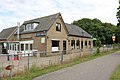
(49, 34)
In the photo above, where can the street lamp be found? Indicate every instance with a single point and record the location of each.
(113, 38)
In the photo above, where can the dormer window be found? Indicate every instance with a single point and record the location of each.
(30, 26)
(34, 24)
(58, 27)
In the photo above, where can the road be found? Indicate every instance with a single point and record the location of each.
(97, 69)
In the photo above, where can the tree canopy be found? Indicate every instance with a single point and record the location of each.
(118, 24)
(98, 29)
(118, 14)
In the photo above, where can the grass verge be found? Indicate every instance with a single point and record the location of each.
(116, 74)
(37, 71)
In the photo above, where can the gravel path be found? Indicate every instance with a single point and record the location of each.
(97, 69)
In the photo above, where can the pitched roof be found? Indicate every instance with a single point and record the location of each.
(44, 23)
(76, 31)
(5, 33)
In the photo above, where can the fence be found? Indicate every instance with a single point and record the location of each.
(25, 61)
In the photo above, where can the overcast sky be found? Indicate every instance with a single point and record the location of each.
(13, 11)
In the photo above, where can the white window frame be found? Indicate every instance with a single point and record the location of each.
(30, 26)
(58, 26)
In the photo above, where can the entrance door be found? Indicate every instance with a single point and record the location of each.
(64, 47)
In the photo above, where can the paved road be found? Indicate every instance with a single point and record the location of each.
(97, 69)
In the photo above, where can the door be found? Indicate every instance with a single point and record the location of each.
(64, 47)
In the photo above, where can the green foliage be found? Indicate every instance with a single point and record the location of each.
(98, 45)
(118, 34)
(116, 46)
(116, 74)
(98, 29)
(118, 14)
(118, 24)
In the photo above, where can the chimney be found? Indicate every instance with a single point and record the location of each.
(18, 30)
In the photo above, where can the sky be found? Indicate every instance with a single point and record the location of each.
(13, 11)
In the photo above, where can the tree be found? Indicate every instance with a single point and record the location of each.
(98, 29)
(118, 24)
(117, 35)
(118, 14)
(98, 45)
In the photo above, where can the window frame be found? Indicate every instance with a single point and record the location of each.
(82, 44)
(55, 43)
(30, 26)
(86, 42)
(26, 46)
(22, 47)
(58, 26)
(77, 42)
(72, 42)
(90, 44)
(31, 46)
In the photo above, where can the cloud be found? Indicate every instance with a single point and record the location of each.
(13, 11)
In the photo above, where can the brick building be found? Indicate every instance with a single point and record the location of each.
(49, 33)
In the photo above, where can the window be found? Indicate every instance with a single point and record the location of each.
(85, 43)
(10, 47)
(55, 46)
(78, 43)
(30, 46)
(58, 27)
(30, 26)
(89, 43)
(43, 40)
(26, 46)
(72, 42)
(81, 44)
(18, 47)
(34, 25)
(55, 43)
(22, 47)
(15, 47)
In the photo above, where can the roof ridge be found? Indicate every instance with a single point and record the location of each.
(5, 33)
(72, 27)
(76, 26)
(10, 27)
(43, 17)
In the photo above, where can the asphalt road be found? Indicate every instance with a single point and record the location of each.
(97, 69)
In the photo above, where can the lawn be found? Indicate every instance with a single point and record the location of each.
(116, 74)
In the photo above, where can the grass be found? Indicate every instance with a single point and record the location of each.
(37, 71)
(116, 74)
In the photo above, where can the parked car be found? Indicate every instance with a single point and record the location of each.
(109, 45)
(104, 46)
